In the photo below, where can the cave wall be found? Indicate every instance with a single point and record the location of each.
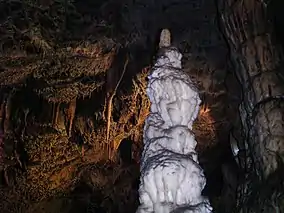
(258, 67)
(258, 64)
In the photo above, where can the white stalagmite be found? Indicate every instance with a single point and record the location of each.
(171, 178)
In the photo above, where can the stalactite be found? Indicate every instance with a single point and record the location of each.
(1, 135)
(2, 114)
(7, 110)
(55, 114)
(70, 115)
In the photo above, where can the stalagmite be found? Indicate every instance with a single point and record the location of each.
(171, 178)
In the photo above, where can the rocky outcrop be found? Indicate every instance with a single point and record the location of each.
(258, 67)
(257, 62)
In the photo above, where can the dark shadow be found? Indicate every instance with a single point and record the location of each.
(125, 151)
(276, 17)
(85, 200)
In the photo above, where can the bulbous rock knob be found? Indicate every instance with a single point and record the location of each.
(165, 38)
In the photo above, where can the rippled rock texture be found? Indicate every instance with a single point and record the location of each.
(171, 178)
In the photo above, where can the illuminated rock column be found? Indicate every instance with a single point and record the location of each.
(171, 178)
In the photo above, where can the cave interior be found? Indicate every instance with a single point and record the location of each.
(61, 62)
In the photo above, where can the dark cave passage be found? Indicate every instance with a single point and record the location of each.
(125, 151)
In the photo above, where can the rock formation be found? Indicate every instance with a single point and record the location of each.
(171, 178)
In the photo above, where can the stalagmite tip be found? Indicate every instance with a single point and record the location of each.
(165, 38)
